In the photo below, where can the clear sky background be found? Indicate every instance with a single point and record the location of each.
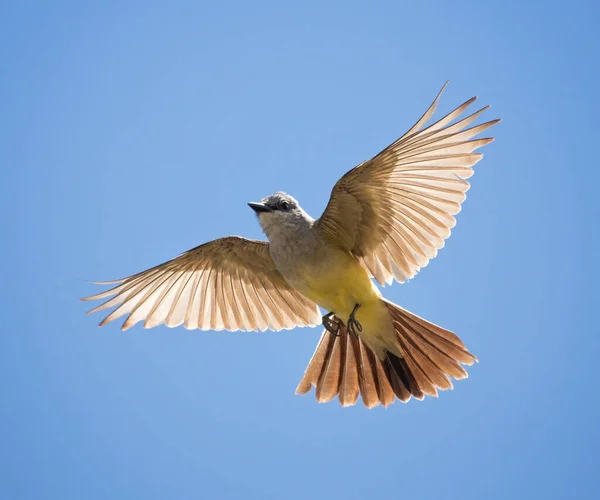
(133, 131)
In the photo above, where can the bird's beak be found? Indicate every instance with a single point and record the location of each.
(259, 207)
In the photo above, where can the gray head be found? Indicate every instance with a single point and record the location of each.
(280, 210)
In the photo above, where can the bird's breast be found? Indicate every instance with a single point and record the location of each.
(329, 276)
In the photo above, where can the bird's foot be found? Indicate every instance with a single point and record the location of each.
(332, 324)
(354, 326)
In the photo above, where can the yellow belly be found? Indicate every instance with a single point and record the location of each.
(340, 285)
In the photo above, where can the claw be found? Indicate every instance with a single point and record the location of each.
(353, 323)
(332, 325)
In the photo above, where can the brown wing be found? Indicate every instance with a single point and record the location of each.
(227, 284)
(394, 211)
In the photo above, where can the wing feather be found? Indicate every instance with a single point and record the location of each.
(192, 310)
(394, 211)
(176, 314)
(230, 283)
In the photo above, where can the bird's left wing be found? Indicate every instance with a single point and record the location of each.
(226, 284)
(394, 211)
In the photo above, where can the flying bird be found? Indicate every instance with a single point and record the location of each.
(385, 220)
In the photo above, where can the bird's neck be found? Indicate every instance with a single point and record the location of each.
(288, 231)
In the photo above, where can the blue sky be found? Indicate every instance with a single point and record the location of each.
(132, 131)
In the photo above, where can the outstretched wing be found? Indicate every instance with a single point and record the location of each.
(227, 284)
(394, 211)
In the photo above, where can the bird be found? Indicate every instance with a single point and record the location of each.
(385, 220)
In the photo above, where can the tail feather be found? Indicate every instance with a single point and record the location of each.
(423, 361)
(348, 393)
(367, 375)
(400, 388)
(315, 366)
(384, 386)
(444, 363)
(436, 375)
(455, 351)
(407, 374)
(375, 386)
(329, 381)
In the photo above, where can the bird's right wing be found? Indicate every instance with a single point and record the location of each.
(226, 284)
(394, 211)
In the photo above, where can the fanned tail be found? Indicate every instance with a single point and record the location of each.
(426, 357)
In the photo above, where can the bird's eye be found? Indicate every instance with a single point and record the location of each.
(285, 205)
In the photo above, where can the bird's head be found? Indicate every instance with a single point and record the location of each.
(279, 211)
